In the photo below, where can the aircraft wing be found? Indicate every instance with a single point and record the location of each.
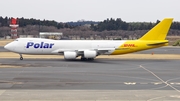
(80, 51)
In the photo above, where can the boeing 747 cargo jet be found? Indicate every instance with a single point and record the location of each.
(90, 49)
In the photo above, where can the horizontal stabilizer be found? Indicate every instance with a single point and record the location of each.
(155, 44)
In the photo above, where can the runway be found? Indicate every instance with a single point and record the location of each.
(101, 79)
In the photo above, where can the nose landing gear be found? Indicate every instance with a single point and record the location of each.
(21, 58)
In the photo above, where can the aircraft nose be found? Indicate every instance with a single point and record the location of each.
(9, 47)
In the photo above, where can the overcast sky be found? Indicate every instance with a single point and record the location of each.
(94, 10)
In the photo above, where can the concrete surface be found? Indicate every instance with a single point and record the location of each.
(102, 79)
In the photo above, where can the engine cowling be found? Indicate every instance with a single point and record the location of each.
(90, 54)
(70, 55)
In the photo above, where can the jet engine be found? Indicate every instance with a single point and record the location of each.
(90, 54)
(70, 55)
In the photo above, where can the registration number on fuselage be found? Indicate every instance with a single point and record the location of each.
(39, 45)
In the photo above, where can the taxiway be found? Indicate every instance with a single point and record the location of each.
(101, 79)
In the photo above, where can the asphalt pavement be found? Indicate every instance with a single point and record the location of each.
(101, 79)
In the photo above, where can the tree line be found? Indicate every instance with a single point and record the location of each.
(23, 22)
(108, 24)
(118, 24)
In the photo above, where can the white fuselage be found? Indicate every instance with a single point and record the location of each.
(48, 46)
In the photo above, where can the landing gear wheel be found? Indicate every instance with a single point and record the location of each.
(83, 59)
(21, 58)
(90, 59)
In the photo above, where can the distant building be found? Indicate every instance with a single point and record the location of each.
(51, 35)
(26, 36)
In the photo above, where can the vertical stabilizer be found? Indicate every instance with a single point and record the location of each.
(159, 32)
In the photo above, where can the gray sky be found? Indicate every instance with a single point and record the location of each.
(95, 10)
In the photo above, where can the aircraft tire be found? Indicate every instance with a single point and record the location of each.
(21, 58)
(83, 59)
(90, 59)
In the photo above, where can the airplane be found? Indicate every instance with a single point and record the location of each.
(90, 49)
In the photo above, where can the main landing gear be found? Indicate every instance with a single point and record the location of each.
(89, 59)
(21, 58)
